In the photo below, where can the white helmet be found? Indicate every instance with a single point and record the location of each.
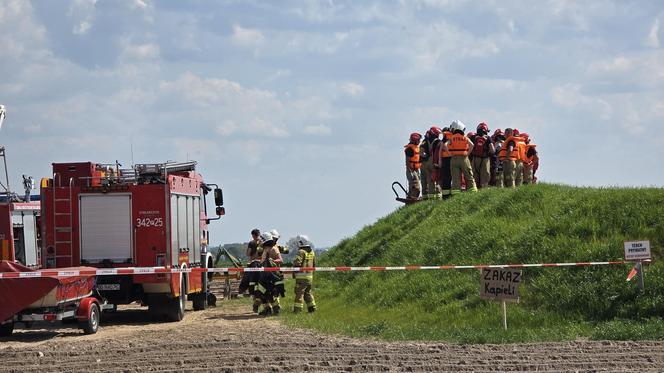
(275, 234)
(303, 241)
(458, 125)
(266, 236)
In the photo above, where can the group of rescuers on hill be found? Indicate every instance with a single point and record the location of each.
(443, 166)
(268, 286)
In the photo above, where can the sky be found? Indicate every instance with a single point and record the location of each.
(300, 109)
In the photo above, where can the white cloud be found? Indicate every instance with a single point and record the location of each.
(145, 51)
(245, 111)
(318, 130)
(653, 35)
(227, 128)
(570, 96)
(353, 89)
(141, 4)
(83, 13)
(246, 37)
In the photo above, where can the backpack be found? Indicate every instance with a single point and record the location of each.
(481, 148)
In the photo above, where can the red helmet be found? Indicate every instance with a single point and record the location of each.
(436, 131)
(415, 137)
(498, 133)
(515, 132)
(525, 136)
(483, 128)
(471, 134)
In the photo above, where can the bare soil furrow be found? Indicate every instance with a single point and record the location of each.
(230, 339)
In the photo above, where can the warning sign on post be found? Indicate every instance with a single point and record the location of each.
(500, 284)
(637, 250)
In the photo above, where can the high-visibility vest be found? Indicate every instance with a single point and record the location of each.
(445, 153)
(514, 155)
(521, 147)
(458, 144)
(414, 161)
(305, 259)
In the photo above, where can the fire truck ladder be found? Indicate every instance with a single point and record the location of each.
(63, 220)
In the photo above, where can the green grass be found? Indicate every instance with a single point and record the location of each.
(532, 224)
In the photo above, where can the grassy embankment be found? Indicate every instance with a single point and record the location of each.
(533, 224)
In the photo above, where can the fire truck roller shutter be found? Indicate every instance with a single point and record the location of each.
(175, 246)
(193, 206)
(27, 235)
(182, 223)
(185, 227)
(106, 227)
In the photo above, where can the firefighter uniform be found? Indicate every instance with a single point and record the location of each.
(481, 161)
(272, 258)
(445, 167)
(428, 157)
(497, 166)
(530, 153)
(508, 159)
(255, 254)
(304, 280)
(459, 146)
(518, 163)
(413, 165)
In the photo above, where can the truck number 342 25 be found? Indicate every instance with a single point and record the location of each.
(149, 222)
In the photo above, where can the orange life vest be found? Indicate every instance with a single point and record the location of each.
(521, 147)
(414, 161)
(445, 153)
(458, 144)
(514, 155)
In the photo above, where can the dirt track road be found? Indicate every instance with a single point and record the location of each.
(228, 338)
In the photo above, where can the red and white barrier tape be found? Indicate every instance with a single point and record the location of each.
(162, 270)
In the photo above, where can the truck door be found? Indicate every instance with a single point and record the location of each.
(106, 228)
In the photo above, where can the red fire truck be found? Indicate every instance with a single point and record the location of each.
(151, 215)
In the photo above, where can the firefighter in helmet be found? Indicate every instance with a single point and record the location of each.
(497, 138)
(275, 234)
(460, 146)
(271, 283)
(250, 279)
(508, 155)
(306, 258)
(483, 149)
(413, 165)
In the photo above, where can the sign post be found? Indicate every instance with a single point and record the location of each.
(500, 284)
(638, 251)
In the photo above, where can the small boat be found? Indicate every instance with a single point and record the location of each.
(28, 295)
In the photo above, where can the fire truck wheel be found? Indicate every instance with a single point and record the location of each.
(91, 325)
(176, 306)
(7, 329)
(199, 302)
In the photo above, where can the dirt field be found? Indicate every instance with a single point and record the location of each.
(228, 338)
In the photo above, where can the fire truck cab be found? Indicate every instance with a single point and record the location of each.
(152, 215)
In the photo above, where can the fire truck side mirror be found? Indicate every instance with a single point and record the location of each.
(221, 211)
(218, 198)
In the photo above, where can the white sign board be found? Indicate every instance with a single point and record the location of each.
(500, 284)
(637, 250)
